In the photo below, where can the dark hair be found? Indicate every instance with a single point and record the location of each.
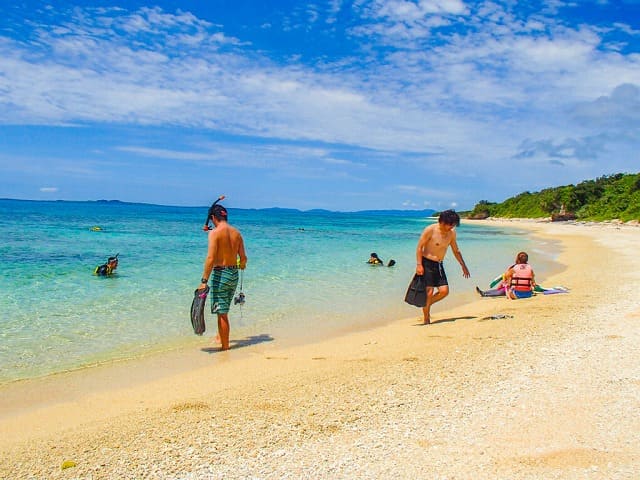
(522, 257)
(113, 259)
(374, 255)
(217, 211)
(449, 217)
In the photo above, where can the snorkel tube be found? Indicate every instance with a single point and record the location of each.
(206, 226)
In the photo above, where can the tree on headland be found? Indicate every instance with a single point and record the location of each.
(605, 198)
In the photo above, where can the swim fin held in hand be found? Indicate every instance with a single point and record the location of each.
(197, 310)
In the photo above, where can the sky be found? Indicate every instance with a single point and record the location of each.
(340, 105)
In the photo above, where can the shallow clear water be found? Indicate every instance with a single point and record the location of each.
(306, 278)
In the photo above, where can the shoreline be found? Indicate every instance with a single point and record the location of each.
(181, 356)
(79, 344)
(192, 347)
(315, 398)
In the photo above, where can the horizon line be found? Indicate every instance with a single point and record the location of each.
(123, 202)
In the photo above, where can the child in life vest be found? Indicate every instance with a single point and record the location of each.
(519, 280)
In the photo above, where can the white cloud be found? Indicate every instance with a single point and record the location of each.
(618, 111)
(437, 85)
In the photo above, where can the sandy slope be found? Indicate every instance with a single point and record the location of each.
(548, 389)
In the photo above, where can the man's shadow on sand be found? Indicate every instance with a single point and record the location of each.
(445, 320)
(243, 342)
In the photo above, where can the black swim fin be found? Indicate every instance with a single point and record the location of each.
(197, 310)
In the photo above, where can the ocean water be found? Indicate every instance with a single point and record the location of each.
(306, 278)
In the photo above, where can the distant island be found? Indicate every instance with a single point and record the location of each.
(610, 197)
(404, 213)
(613, 197)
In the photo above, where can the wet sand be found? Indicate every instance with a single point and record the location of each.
(547, 387)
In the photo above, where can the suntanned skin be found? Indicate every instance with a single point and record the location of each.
(433, 244)
(226, 246)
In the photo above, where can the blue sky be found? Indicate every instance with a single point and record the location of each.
(344, 105)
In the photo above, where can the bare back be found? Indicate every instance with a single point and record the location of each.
(225, 246)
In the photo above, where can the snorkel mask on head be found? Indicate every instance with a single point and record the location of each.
(217, 211)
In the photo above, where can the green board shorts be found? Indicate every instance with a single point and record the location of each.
(223, 286)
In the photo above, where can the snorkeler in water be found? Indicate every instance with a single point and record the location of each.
(374, 259)
(107, 269)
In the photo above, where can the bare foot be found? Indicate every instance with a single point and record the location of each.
(427, 321)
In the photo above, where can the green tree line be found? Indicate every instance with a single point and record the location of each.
(605, 198)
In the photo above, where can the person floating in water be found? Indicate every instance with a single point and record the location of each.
(108, 268)
(374, 259)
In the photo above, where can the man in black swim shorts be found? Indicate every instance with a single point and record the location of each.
(434, 275)
(430, 252)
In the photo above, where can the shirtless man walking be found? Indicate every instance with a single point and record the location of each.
(432, 247)
(225, 255)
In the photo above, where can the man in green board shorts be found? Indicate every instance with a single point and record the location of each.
(225, 255)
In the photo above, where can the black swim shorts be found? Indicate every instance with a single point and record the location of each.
(434, 275)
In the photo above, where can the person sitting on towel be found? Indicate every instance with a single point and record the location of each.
(517, 282)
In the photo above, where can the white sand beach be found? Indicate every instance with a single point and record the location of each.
(547, 387)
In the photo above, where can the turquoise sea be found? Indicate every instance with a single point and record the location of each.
(306, 279)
